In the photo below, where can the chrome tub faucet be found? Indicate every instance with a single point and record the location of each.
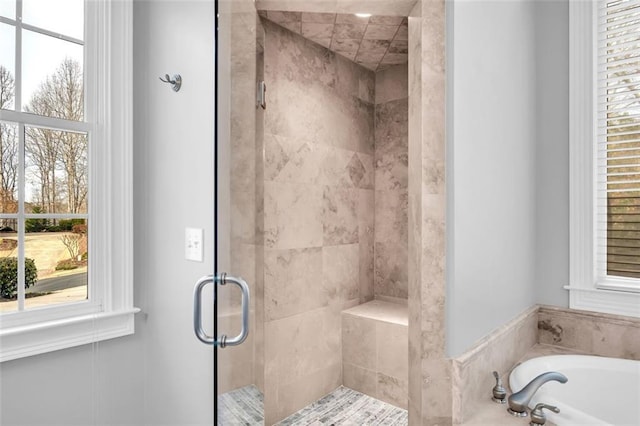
(499, 392)
(519, 401)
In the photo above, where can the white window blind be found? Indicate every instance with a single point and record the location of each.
(618, 144)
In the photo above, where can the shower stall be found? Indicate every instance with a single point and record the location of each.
(311, 208)
(311, 167)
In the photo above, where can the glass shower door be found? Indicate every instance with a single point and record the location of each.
(238, 242)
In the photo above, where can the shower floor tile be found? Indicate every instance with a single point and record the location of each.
(244, 406)
(347, 407)
(342, 407)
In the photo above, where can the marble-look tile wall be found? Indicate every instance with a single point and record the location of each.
(374, 351)
(391, 200)
(238, 246)
(590, 332)
(258, 349)
(318, 214)
(499, 351)
(430, 395)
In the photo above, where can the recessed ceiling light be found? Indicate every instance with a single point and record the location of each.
(363, 15)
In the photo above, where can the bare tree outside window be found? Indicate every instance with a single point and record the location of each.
(56, 178)
(8, 152)
(58, 160)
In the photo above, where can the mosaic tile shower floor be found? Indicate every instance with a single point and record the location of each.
(342, 407)
(242, 406)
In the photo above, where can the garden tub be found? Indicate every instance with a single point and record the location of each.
(600, 391)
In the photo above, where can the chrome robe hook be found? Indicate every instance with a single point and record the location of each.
(175, 82)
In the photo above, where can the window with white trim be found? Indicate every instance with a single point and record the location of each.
(65, 174)
(605, 156)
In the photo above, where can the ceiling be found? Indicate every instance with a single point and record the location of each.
(376, 42)
(375, 7)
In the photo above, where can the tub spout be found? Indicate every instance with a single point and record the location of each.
(519, 401)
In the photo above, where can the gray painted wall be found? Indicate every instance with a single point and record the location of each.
(492, 168)
(508, 157)
(174, 183)
(91, 384)
(552, 152)
(161, 375)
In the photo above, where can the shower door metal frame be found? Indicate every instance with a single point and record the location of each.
(216, 36)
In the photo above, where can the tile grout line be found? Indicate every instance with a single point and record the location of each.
(390, 42)
(361, 40)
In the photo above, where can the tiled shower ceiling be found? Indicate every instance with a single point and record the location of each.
(375, 42)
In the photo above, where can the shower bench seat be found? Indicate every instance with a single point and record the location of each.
(375, 350)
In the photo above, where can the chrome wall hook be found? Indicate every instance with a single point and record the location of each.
(176, 81)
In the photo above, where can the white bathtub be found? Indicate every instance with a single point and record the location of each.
(600, 391)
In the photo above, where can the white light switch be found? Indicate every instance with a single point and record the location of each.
(193, 249)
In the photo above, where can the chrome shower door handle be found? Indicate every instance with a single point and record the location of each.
(224, 341)
(197, 310)
(220, 279)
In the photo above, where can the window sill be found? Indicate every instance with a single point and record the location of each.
(605, 301)
(22, 341)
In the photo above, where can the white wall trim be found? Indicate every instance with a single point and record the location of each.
(35, 339)
(109, 95)
(584, 291)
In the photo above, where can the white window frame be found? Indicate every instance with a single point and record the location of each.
(109, 311)
(586, 290)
